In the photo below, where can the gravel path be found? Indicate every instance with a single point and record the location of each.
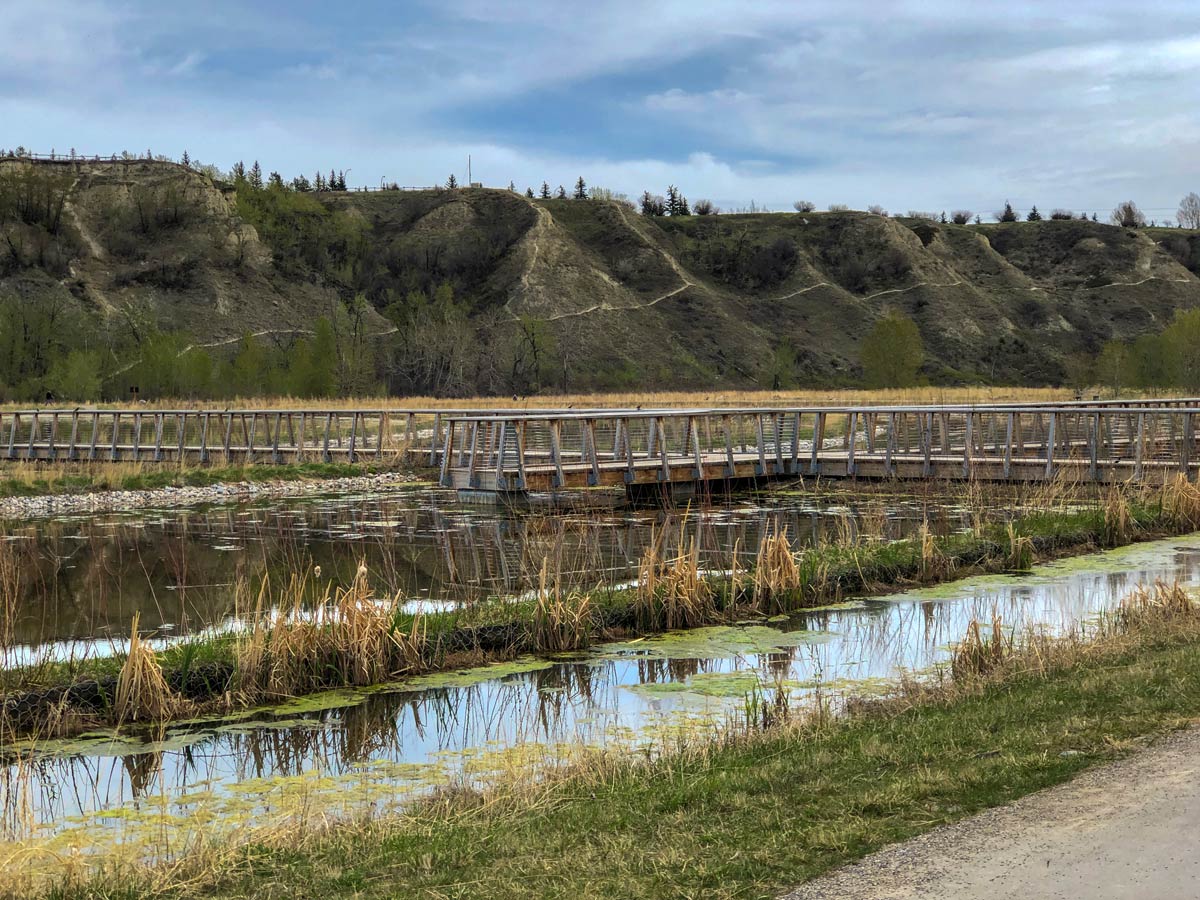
(106, 501)
(1128, 829)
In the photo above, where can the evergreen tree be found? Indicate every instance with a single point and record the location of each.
(1034, 215)
(562, 193)
(672, 200)
(341, 180)
(580, 190)
(451, 182)
(185, 161)
(529, 192)
(512, 187)
(319, 182)
(256, 179)
(275, 180)
(943, 219)
(302, 184)
(653, 205)
(545, 191)
(681, 207)
(239, 171)
(333, 182)
(1008, 215)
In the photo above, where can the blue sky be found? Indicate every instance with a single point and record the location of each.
(913, 105)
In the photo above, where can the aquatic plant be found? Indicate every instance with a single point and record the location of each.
(776, 575)
(1157, 606)
(562, 620)
(1118, 518)
(1020, 549)
(142, 692)
(1179, 500)
(673, 593)
(976, 655)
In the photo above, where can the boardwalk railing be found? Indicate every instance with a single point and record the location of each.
(1149, 440)
(222, 435)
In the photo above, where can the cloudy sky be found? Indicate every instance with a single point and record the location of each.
(930, 105)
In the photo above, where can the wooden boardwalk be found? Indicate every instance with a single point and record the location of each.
(1147, 441)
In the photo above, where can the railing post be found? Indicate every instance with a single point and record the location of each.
(1185, 457)
(95, 435)
(275, 458)
(1140, 446)
(1008, 446)
(889, 463)
(814, 463)
(137, 436)
(12, 435)
(520, 426)
(159, 421)
(471, 455)
(761, 467)
(730, 468)
(665, 471)
(33, 427)
(927, 443)
(968, 444)
(590, 431)
(1050, 428)
(353, 435)
(325, 456)
(447, 449)
(560, 479)
(696, 457)
(181, 425)
(52, 452)
(629, 466)
(227, 442)
(1093, 447)
(204, 438)
(501, 480)
(433, 442)
(74, 434)
(795, 464)
(851, 441)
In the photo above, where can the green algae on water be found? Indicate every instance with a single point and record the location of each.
(715, 642)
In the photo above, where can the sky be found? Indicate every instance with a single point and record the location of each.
(933, 105)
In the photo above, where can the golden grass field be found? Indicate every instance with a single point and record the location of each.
(645, 399)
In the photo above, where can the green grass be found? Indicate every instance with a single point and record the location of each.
(752, 818)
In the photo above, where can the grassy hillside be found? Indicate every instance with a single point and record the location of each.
(483, 290)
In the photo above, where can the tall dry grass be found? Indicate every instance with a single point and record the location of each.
(562, 619)
(143, 694)
(672, 592)
(776, 577)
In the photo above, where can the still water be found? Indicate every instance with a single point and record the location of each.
(361, 753)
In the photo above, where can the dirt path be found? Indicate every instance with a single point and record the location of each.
(1128, 829)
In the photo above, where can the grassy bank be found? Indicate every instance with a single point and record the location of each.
(306, 636)
(39, 480)
(769, 806)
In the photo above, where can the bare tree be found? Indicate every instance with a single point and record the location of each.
(804, 206)
(838, 207)
(704, 207)
(1127, 215)
(961, 216)
(1062, 214)
(876, 210)
(1189, 211)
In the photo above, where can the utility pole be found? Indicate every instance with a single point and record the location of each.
(469, 179)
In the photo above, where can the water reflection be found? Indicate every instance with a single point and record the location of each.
(82, 579)
(382, 747)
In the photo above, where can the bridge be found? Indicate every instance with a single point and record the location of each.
(519, 451)
(1149, 441)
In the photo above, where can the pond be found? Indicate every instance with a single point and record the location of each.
(355, 753)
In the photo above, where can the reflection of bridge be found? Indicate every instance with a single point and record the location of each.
(1145, 441)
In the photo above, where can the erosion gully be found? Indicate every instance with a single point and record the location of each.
(356, 752)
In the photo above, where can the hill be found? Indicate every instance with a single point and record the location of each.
(484, 290)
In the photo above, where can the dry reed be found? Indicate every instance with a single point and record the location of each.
(673, 593)
(976, 656)
(562, 620)
(142, 692)
(776, 575)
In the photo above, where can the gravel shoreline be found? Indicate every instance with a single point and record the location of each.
(232, 492)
